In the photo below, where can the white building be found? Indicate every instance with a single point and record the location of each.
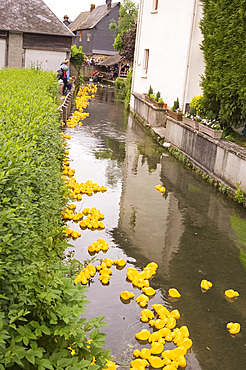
(167, 52)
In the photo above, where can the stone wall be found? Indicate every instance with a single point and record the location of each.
(221, 159)
(15, 58)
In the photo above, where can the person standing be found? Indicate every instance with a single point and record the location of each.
(65, 67)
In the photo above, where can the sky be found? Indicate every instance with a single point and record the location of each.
(72, 8)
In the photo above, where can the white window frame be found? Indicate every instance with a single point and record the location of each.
(145, 63)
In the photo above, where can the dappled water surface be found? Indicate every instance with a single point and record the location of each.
(192, 232)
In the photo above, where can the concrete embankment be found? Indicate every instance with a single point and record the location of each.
(223, 161)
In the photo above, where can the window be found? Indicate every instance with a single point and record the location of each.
(155, 6)
(88, 37)
(80, 36)
(145, 62)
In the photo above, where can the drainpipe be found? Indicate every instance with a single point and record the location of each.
(189, 54)
(138, 35)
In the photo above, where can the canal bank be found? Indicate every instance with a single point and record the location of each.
(223, 161)
(191, 231)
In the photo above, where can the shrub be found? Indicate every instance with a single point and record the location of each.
(40, 308)
(198, 103)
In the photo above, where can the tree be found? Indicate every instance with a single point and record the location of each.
(127, 21)
(224, 81)
(77, 59)
(129, 39)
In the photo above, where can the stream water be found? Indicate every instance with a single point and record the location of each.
(193, 232)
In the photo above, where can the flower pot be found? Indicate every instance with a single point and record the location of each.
(157, 104)
(216, 134)
(175, 115)
(148, 99)
(191, 123)
(165, 105)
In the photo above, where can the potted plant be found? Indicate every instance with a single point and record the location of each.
(191, 119)
(210, 128)
(175, 112)
(158, 102)
(149, 95)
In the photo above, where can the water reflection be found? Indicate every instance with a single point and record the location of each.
(192, 232)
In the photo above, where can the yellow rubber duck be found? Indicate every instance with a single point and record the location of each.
(144, 334)
(147, 313)
(145, 353)
(139, 364)
(110, 365)
(206, 285)
(149, 291)
(142, 300)
(230, 293)
(174, 293)
(156, 362)
(185, 343)
(156, 348)
(234, 328)
(127, 295)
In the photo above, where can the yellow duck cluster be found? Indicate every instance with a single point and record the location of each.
(165, 324)
(104, 271)
(93, 219)
(84, 94)
(160, 188)
(87, 188)
(99, 245)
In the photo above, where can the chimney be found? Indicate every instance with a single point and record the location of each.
(92, 7)
(108, 2)
(66, 20)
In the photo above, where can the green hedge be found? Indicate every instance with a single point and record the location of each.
(224, 29)
(40, 306)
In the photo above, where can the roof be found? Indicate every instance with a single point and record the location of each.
(77, 22)
(95, 16)
(32, 16)
(110, 61)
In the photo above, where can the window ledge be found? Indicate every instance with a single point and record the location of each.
(154, 12)
(144, 76)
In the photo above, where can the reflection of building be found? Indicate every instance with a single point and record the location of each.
(167, 53)
(140, 214)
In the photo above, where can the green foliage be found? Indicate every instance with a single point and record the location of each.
(40, 307)
(224, 82)
(197, 103)
(123, 88)
(150, 92)
(127, 20)
(77, 59)
(239, 195)
(175, 105)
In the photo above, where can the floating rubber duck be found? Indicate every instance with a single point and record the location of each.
(174, 293)
(121, 262)
(156, 362)
(149, 291)
(146, 315)
(160, 188)
(234, 328)
(139, 364)
(206, 285)
(142, 300)
(145, 353)
(110, 365)
(185, 343)
(156, 348)
(230, 293)
(127, 295)
(144, 334)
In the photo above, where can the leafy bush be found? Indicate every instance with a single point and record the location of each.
(40, 308)
(224, 82)
(150, 92)
(198, 103)
(123, 88)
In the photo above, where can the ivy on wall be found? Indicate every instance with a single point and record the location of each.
(224, 83)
